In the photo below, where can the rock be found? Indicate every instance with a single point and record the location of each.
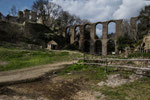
(3, 63)
(101, 83)
(117, 80)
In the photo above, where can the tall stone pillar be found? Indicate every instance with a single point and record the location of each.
(105, 30)
(104, 47)
(26, 14)
(81, 40)
(134, 26)
(116, 47)
(0, 16)
(72, 34)
(104, 39)
(118, 29)
(92, 38)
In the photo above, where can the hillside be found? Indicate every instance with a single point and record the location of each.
(28, 33)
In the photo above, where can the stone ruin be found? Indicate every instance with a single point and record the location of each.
(23, 16)
(145, 46)
(87, 41)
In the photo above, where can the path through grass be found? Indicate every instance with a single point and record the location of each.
(18, 59)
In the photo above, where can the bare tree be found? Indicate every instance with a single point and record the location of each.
(53, 12)
(144, 22)
(13, 10)
(39, 7)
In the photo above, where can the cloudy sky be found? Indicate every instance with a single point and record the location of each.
(92, 10)
(100, 10)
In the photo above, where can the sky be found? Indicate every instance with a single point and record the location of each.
(102, 10)
(92, 10)
(6, 5)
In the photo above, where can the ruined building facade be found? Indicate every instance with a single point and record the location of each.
(23, 16)
(91, 43)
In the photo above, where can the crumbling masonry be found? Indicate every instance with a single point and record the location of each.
(104, 39)
(23, 16)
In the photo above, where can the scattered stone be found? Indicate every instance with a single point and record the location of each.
(3, 63)
(117, 80)
(88, 95)
(69, 73)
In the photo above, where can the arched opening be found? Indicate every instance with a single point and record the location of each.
(87, 30)
(137, 25)
(111, 47)
(98, 47)
(86, 46)
(111, 29)
(77, 33)
(99, 31)
(68, 35)
(76, 45)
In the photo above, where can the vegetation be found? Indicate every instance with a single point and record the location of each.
(92, 75)
(17, 58)
(138, 90)
(138, 54)
(87, 72)
(144, 22)
(124, 42)
(53, 15)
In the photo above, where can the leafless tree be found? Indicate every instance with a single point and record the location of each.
(39, 7)
(13, 10)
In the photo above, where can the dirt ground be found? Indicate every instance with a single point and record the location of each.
(56, 87)
(47, 89)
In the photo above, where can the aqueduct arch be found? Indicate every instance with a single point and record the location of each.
(91, 38)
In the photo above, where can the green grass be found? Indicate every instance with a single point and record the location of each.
(18, 58)
(92, 73)
(137, 55)
(138, 90)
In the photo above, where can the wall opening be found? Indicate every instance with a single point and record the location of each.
(111, 47)
(77, 33)
(99, 31)
(76, 45)
(111, 29)
(87, 30)
(98, 47)
(68, 35)
(86, 46)
(137, 25)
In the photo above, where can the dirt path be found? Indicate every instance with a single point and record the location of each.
(30, 73)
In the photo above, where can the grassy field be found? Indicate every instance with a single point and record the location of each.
(92, 75)
(17, 58)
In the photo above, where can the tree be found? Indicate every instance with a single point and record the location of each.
(144, 22)
(127, 29)
(54, 17)
(53, 12)
(13, 10)
(125, 41)
(39, 7)
(48, 11)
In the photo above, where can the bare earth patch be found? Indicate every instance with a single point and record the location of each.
(42, 90)
(89, 95)
(117, 80)
(3, 63)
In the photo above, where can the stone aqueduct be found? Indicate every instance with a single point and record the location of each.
(93, 41)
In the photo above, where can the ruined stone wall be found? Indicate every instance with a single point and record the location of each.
(23, 16)
(0, 16)
(133, 22)
(104, 39)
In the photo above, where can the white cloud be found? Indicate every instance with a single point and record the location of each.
(129, 8)
(101, 10)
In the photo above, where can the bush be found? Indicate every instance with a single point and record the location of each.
(125, 42)
(136, 55)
